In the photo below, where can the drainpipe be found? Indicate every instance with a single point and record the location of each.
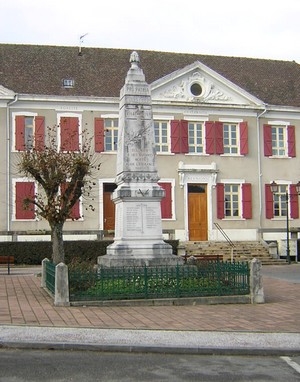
(259, 164)
(8, 159)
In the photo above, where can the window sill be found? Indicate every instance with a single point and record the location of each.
(279, 157)
(232, 155)
(197, 154)
(233, 218)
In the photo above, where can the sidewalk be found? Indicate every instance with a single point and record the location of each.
(29, 318)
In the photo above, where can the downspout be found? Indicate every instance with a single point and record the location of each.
(259, 166)
(8, 159)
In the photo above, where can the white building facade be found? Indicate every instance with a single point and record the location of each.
(219, 146)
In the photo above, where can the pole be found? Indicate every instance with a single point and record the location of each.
(288, 258)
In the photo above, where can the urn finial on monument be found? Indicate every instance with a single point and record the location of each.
(138, 237)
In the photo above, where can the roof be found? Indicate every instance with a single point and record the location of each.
(100, 72)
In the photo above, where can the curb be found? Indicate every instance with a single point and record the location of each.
(150, 341)
(152, 349)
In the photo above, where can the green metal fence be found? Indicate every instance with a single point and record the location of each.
(212, 278)
(50, 277)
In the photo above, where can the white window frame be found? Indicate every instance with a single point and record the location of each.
(161, 144)
(195, 145)
(114, 134)
(284, 125)
(239, 183)
(280, 197)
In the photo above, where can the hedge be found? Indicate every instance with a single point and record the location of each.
(33, 252)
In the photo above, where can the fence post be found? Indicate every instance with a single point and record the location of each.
(61, 297)
(256, 285)
(43, 279)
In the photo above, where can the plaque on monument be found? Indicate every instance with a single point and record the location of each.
(138, 237)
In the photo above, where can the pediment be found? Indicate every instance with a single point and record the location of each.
(198, 83)
(4, 92)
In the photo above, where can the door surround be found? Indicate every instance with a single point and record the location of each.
(198, 174)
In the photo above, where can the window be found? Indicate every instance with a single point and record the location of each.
(24, 190)
(29, 132)
(276, 205)
(161, 129)
(110, 134)
(68, 83)
(279, 201)
(195, 137)
(69, 133)
(279, 141)
(234, 200)
(226, 138)
(230, 135)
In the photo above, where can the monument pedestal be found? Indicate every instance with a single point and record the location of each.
(138, 237)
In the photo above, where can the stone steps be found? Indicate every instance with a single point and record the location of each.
(245, 250)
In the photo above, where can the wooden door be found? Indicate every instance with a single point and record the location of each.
(197, 212)
(108, 207)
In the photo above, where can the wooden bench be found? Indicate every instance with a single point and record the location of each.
(8, 261)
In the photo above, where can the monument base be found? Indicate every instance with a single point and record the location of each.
(122, 254)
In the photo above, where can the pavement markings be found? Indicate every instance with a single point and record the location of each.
(291, 363)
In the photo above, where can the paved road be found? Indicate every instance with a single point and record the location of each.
(50, 366)
(289, 272)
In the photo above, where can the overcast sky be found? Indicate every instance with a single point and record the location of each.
(255, 28)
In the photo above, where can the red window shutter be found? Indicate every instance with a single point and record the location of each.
(24, 190)
(243, 138)
(99, 134)
(184, 137)
(247, 200)
(291, 141)
(39, 132)
(220, 201)
(294, 202)
(166, 202)
(75, 211)
(210, 137)
(267, 140)
(69, 133)
(269, 202)
(175, 136)
(20, 132)
(219, 137)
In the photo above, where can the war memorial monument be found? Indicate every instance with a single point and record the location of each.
(138, 237)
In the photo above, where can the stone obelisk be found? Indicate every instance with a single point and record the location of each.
(138, 237)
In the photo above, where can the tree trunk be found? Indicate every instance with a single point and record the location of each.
(58, 253)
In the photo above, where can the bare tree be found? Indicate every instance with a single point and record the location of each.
(62, 177)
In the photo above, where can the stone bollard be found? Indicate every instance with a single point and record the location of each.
(256, 285)
(43, 279)
(61, 297)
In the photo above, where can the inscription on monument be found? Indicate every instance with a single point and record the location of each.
(134, 215)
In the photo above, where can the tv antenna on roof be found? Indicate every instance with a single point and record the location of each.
(80, 43)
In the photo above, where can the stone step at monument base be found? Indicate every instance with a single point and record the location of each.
(137, 254)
